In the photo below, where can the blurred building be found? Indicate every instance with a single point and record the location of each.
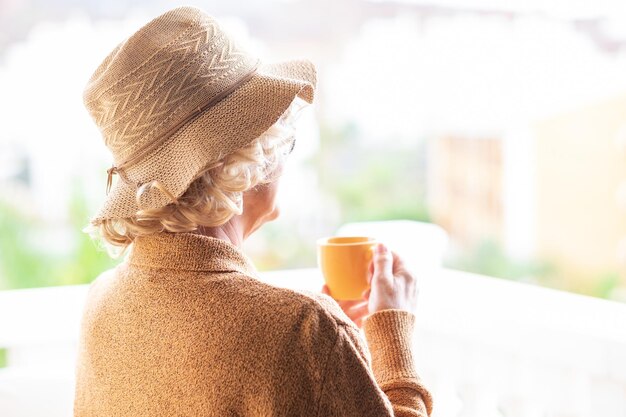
(554, 192)
(465, 187)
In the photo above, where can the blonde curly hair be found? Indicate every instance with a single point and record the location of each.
(215, 196)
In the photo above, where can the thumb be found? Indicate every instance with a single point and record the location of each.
(383, 263)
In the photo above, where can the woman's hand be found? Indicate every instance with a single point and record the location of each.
(392, 286)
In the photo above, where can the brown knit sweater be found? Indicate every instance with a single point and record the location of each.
(185, 327)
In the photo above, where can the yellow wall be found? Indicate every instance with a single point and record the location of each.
(579, 169)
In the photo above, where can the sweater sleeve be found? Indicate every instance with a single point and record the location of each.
(390, 386)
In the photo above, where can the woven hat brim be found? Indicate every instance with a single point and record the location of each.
(237, 119)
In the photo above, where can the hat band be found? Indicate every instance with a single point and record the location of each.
(168, 134)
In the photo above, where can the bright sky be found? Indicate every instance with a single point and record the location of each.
(567, 9)
(467, 73)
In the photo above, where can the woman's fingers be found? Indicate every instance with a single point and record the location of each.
(366, 294)
(362, 305)
(358, 313)
(358, 310)
(348, 304)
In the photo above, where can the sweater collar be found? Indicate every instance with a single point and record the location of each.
(191, 252)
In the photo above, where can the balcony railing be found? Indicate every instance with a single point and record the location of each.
(486, 347)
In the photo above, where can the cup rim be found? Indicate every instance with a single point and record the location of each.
(324, 241)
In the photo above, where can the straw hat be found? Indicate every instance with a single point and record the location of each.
(180, 94)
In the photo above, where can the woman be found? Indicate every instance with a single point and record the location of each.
(199, 130)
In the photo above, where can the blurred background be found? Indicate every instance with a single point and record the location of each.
(502, 122)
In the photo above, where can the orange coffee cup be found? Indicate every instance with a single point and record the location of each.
(344, 262)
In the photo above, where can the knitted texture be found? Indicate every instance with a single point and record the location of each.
(185, 327)
(389, 337)
(179, 94)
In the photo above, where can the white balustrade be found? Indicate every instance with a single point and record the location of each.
(486, 347)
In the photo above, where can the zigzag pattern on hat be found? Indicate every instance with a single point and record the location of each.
(108, 108)
(131, 129)
(163, 110)
(120, 80)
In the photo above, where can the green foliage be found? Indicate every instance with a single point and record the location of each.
(606, 284)
(3, 358)
(489, 258)
(24, 264)
(21, 266)
(90, 259)
(371, 183)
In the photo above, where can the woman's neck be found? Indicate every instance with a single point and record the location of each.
(231, 231)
